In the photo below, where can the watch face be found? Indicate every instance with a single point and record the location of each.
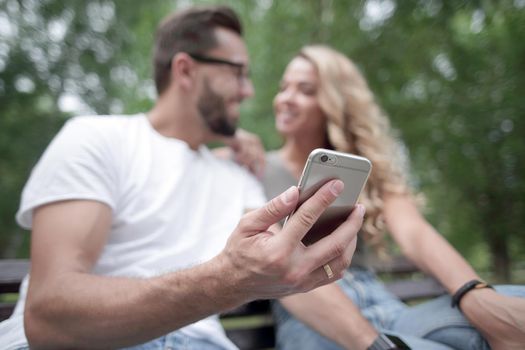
(397, 341)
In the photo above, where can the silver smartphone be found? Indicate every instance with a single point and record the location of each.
(322, 166)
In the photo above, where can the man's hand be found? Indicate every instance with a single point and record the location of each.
(268, 264)
(500, 318)
(70, 307)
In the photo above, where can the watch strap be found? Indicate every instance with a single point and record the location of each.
(387, 342)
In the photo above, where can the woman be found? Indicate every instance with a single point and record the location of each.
(324, 101)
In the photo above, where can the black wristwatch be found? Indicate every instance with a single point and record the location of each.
(388, 342)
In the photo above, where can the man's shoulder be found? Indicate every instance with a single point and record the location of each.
(237, 180)
(89, 128)
(229, 166)
(106, 121)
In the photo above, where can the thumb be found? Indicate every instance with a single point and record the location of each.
(273, 211)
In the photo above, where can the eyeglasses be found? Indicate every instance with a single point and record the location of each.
(213, 60)
(240, 68)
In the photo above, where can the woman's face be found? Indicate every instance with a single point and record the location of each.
(296, 107)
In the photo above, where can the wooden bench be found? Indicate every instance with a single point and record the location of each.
(251, 326)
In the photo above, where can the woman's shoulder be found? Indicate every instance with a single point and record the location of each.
(276, 176)
(273, 156)
(274, 164)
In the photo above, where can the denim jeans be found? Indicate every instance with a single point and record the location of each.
(432, 325)
(172, 341)
(176, 341)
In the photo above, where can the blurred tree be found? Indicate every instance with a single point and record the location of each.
(57, 58)
(455, 79)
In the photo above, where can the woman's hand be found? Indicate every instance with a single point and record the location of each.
(500, 318)
(246, 149)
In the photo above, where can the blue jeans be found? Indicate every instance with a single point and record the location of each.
(432, 325)
(176, 341)
(172, 341)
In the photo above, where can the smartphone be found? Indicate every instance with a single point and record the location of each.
(322, 166)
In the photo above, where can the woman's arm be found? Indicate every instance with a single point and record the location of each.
(246, 149)
(331, 313)
(423, 245)
(499, 318)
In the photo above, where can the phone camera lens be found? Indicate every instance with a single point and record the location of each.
(324, 158)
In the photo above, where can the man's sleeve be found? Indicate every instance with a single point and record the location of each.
(76, 165)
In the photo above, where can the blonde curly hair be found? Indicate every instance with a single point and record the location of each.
(356, 124)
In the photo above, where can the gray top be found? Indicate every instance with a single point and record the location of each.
(277, 178)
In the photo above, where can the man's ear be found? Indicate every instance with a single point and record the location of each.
(183, 70)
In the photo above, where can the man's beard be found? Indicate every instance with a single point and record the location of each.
(212, 108)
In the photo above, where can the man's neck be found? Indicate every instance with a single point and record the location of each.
(173, 119)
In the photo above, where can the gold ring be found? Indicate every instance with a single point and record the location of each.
(328, 271)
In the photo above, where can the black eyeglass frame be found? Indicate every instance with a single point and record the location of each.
(215, 60)
(212, 60)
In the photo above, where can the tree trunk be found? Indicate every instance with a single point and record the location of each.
(500, 258)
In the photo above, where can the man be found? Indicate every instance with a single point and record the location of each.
(132, 217)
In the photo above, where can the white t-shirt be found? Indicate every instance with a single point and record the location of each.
(173, 207)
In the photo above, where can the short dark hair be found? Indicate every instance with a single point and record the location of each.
(191, 30)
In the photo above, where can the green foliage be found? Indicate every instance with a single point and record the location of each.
(462, 120)
(51, 53)
(449, 73)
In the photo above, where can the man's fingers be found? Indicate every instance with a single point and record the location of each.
(273, 212)
(332, 270)
(339, 264)
(340, 244)
(308, 213)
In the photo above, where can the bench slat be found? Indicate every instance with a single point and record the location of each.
(396, 265)
(408, 290)
(262, 337)
(6, 309)
(257, 307)
(11, 274)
